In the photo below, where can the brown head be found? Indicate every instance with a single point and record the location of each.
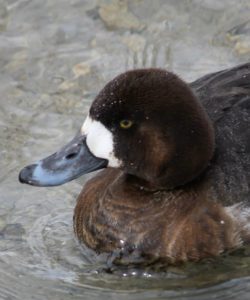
(158, 130)
(147, 122)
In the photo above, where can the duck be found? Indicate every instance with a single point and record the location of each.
(174, 166)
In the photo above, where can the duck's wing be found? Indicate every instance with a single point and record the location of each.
(226, 97)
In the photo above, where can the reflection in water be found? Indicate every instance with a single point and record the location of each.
(55, 56)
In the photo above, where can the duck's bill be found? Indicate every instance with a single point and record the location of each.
(70, 162)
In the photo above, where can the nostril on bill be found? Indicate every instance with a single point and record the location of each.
(71, 155)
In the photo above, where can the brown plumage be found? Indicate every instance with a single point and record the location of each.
(177, 225)
(164, 206)
(180, 186)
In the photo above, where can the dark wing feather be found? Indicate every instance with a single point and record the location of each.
(226, 97)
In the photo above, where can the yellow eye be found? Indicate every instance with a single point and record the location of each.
(125, 124)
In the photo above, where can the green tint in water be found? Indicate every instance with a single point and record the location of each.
(54, 57)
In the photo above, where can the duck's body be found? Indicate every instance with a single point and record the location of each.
(179, 225)
(177, 184)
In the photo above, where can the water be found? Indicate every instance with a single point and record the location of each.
(54, 57)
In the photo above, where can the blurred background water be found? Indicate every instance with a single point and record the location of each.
(54, 57)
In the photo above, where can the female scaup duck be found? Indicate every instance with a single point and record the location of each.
(177, 165)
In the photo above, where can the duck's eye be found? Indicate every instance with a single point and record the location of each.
(125, 124)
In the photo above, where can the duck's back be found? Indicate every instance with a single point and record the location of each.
(226, 97)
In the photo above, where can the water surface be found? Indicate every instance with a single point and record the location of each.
(54, 57)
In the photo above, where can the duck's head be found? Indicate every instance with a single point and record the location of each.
(146, 122)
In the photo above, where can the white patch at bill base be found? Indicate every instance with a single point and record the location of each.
(100, 141)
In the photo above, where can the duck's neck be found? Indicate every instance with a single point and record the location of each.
(143, 185)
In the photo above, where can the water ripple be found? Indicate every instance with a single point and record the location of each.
(55, 57)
